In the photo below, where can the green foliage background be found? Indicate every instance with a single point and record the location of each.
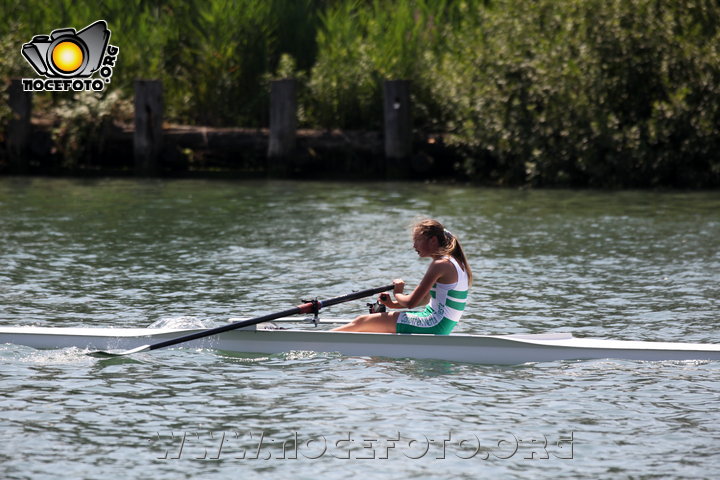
(540, 92)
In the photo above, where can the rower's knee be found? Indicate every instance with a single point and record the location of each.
(353, 326)
(360, 320)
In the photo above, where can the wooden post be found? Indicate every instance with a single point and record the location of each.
(147, 140)
(283, 125)
(19, 127)
(398, 126)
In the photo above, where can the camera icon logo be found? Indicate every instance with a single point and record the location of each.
(67, 53)
(67, 59)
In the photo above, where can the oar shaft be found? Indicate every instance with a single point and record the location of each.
(225, 328)
(308, 307)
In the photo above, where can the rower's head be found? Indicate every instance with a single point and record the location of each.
(431, 238)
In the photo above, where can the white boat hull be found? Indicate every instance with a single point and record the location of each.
(482, 349)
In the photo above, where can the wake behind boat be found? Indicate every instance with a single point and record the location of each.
(481, 349)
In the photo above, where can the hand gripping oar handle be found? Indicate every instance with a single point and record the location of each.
(308, 307)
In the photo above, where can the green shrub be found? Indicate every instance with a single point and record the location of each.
(81, 122)
(620, 93)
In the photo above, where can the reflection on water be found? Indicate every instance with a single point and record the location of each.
(126, 253)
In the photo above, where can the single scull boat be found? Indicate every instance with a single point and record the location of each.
(483, 349)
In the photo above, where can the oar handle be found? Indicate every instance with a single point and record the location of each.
(355, 296)
(308, 307)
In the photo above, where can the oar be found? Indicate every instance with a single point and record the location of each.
(309, 307)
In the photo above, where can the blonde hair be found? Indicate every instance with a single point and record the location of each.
(447, 242)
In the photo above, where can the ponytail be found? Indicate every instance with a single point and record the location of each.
(448, 243)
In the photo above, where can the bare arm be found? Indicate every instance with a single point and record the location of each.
(421, 294)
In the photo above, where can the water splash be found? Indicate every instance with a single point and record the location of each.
(30, 356)
(181, 322)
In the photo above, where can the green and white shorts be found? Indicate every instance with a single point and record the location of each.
(427, 321)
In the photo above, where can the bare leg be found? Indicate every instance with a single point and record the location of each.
(384, 322)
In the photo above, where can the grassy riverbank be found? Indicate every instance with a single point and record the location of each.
(580, 93)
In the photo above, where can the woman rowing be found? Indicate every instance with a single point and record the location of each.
(443, 289)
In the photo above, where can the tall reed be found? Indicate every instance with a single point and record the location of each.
(362, 43)
(213, 56)
(539, 92)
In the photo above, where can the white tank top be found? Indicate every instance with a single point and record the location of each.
(448, 299)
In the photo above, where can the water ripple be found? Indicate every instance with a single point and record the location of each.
(126, 253)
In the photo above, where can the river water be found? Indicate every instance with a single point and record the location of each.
(127, 253)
